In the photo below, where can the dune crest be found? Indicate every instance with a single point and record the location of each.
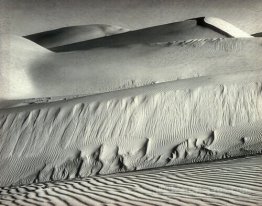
(177, 31)
(108, 69)
(226, 27)
(73, 34)
(196, 28)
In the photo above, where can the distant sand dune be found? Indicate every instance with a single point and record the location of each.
(70, 35)
(177, 31)
(226, 27)
(232, 182)
(198, 28)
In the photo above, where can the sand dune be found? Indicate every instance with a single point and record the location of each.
(95, 114)
(226, 27)
(17, 55)
(70, 35)
(232, 182)
(184, 121)
(198, 28)
(28, 17)
(34, 74)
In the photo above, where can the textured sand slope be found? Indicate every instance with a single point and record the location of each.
(171, 123)
(108, 69)
(231, 182)
(69, 35)
(190, 29)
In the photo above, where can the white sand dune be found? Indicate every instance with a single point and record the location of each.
(197, 28)
(73, 34)
(177, 31)
(164, 124)
(94, 114)
(30, 71)
(28, 17)
(226, 27)
(17, 55)
(231, 182)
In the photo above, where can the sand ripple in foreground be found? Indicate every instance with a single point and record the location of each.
(232, 182)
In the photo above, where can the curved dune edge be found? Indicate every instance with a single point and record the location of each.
(166, 124)
(73, 34)
(34, 74)
(231, 182)
(195, 28)
(226, 27)
(178, 31)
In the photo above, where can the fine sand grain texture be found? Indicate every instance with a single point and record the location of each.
(232, 182)
(184, 121)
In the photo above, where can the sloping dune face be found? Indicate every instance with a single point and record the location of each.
(89, 37)
(226, 27)
(16, 56)
(109, 69)
(184, 121)
(70, 35)
(198, 28)
(232, 182)
(177, 31)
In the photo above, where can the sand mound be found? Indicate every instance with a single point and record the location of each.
(226, 27)
(198, 28)
(232, 182)
(17, 55)
(184, 121)
(108, 69)
(73, 34)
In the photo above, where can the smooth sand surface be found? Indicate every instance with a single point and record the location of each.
(31, 71)
(178, 31)
(73, 34)
(197, 28)
(231, 182)
(226, 27)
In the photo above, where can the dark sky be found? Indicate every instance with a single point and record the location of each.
(23, 17)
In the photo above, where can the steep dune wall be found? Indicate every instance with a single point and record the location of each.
(181, 122)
